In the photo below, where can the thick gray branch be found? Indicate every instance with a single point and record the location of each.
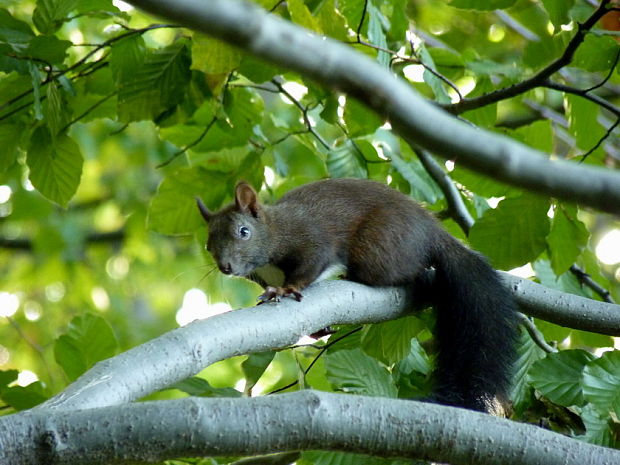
(418, 121)
(185, 351)
(564, 309)
(153, 431)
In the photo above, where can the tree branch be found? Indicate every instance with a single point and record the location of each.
(418, 121)
(585, 279)
(310, 420)
(185, 351)
(548, 83)
(568, 310)
(538, 79)
(93, 238)
(458, 210)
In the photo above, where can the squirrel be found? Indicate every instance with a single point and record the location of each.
(382, 238)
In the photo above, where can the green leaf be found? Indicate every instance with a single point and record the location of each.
(254, 366)
(200, 387)
(352, 11)
(257, 70)
(47, 48)
(422, 186)
(514, 233)
(330, 110)
(213, 56)
(13, 31)
(399, 23)
(435, 83)
(376, 34)
(482, 185)
(331, 21)
(89, 339)
(601, 379)
(126, 56)
(344, 458)
(359, 119)
(102, 7)
(416, 360)
(55, 165)
(583, 124)
(483, 5)
(566, 240)
(352, 341)
(345, 162)
(49, 15)
(55, 109)
(301, 15)
(558, 11)
(10, 136)
(23, 398)
(390, 342)
(485, 116)
(566, 282)
(354, 371)
(158, 85)
(7, 377)
(599, 427)
(558, 376)
(597, 53)
(35, 76)
(539, 53)
(173, 209)
(447, 62)
(244, 109)
(528, 353)
(302, 163)
(539, 135)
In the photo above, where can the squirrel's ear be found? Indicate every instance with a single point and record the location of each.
(204, 211)
(246, 199)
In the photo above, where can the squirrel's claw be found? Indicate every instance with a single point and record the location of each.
(276, 293)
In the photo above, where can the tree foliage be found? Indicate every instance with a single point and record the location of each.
(112, 122)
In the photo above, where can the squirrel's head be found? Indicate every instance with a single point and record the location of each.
(238, 234)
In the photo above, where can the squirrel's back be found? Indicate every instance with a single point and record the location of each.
(382, 236)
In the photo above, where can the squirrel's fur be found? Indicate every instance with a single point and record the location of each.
(383, 238)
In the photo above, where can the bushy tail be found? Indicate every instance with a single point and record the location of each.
(476, 329)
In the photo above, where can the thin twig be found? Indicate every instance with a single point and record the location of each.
(321, 352)
(535, 334)
(361, 23)
(304, 112)
(582, 93)
(458, 210)
(609, 74)
(585, 279)
(195, 142)
(600, 141)
(437, 74)
(87, 111)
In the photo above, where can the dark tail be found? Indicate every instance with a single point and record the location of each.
(476, 329)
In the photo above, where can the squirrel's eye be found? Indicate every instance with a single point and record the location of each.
(244, 232)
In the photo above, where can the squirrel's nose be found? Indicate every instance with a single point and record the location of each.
(226, 268)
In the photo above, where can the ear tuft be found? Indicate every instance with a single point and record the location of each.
(204, 211)
(246, 199)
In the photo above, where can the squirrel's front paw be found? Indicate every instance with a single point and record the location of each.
(276, 293)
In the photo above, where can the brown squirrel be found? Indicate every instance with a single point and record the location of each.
(382, 238)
